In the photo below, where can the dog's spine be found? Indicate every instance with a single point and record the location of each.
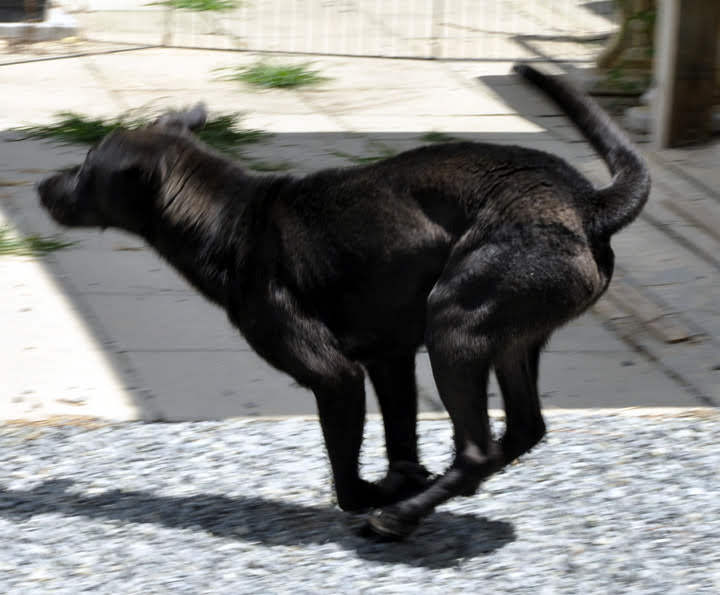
(618, 204)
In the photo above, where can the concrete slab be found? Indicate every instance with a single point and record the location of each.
(697, 163)
(102, 265)
(30, 159)
(65, 86)
(304, 152)
(585, 366)
(503, 124)
(421, 102)
(600, 379)
(190, 76)
(189, 385)
(282, 123)
(683, 281)
(50, 362)
(173, 323)
(500, 70)
(358, 76)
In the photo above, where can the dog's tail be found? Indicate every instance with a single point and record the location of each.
(616, 205)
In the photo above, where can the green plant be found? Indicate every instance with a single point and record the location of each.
(647, 17)
(619, 79)
(199, 5)
(13, 244)
(224, 134)
(221, 132)
(267, 75)
(438, 137)
(74, 128)
(365, 159)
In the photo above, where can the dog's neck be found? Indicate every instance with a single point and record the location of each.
(207, 232)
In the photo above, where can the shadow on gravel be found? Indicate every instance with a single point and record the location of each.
(445, 539)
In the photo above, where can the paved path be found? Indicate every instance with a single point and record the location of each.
(104, 328)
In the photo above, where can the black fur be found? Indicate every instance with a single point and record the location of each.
(479, 251)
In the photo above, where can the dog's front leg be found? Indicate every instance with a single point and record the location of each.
(396, 388)
(341, 407)
(301, 345)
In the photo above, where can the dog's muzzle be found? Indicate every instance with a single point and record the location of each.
(58, 196)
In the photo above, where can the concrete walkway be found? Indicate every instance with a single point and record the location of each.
(106, 329)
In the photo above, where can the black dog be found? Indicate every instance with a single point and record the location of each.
(479, 251)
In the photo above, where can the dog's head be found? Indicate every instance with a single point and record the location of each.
(118, 183)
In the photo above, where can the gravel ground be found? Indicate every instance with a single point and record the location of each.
(609, 503)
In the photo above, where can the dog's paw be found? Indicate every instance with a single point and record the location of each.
(404, 479)
(390, 524)
(361, 496)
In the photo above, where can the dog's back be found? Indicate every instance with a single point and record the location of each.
(458, 185)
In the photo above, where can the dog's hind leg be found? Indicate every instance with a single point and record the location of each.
(463, 389)
(461, 342)
(395, 385)
(394, 382)
(517, 373)
(487, 310)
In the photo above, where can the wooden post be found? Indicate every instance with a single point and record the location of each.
(686, 51)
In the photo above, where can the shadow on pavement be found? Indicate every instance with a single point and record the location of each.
(269, 522)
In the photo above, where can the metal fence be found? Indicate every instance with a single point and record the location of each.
(448, 29)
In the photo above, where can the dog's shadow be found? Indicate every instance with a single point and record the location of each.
(443, 540)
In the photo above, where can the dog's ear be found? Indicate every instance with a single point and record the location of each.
(191, 119)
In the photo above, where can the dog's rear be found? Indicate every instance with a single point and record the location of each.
(507, 285)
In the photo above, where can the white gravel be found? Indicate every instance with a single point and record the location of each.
(607, 504)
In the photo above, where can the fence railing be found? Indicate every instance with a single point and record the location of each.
(451, 29)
